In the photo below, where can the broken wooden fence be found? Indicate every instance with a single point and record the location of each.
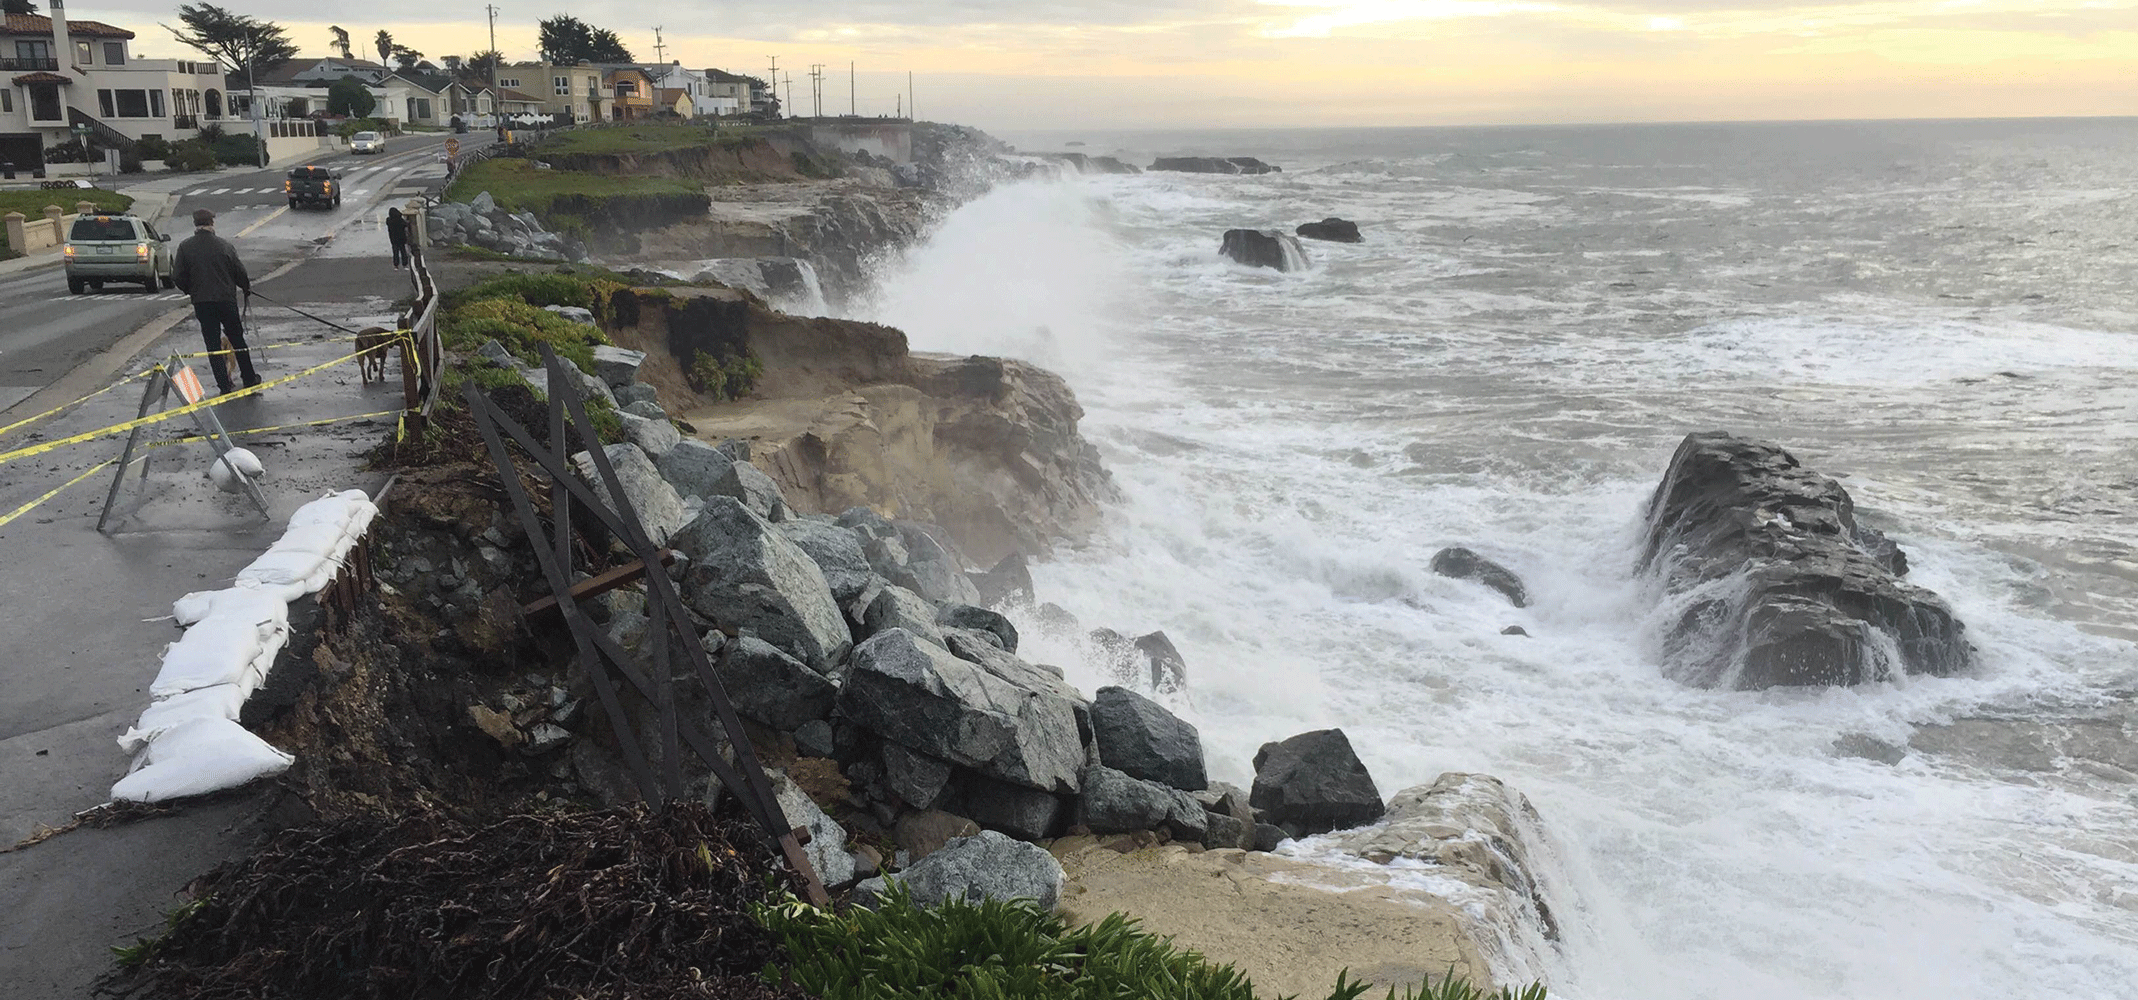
(669, 628)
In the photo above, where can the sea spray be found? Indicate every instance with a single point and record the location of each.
(1506, 364)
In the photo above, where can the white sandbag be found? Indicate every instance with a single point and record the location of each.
(226, 469)
(220, 701)
(234, 602)
(270, 647)
(197, 757)
(216, 651)
(321, 540)
(334, 508)
(279, 568)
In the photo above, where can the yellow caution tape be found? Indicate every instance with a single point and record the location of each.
(31, 420)
(156, 418)
(273, 345)
(32, 505)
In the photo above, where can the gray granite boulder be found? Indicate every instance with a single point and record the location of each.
(1314, 783)
(745, 574)
(1024, 813)
(1113, 802)
(981, 619)
(692, 465)
(614, 365)
(1010, 582)
(654, 437)
(658, 506)
(897, 607)
(1463, 564)
(917, 694)
(986, 866)
(836, 551)
(827, 839)
(643, 408)
(756, 490)
(1138, 737)
(637, 392)
(772, 687)
(918, 780)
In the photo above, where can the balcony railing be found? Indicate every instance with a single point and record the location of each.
(29, 65)
(185, 121)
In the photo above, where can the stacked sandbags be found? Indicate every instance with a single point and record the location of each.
(188, 741)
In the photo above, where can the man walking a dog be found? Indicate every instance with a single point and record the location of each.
(208, 270)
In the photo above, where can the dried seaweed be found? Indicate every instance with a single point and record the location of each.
(614, 903)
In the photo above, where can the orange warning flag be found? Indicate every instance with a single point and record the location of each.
(188, 384)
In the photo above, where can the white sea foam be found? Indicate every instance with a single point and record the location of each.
(1293, 451)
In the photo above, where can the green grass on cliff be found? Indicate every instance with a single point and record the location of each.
(519, 187)
(648, 138)
(992, 950)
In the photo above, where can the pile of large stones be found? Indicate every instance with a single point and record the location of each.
(482, 223)
(869, 644)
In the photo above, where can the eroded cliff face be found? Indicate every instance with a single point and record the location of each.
(840, 227)
(845, 416)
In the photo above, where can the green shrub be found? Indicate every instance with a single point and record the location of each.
(191, 155)
(726, 377)
(522, 329)
(153, 147)
(992, 950)
(237, 150)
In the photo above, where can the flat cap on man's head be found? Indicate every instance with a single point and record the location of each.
(203, 217)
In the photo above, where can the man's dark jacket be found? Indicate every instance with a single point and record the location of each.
(208, 269)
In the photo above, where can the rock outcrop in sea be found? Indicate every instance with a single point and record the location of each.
(1264, 248)
(1214, 165)
(1778, 582)
(1332, 229)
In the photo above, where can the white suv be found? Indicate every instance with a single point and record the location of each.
(367, 142)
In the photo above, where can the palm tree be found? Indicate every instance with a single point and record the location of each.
(384, 41)
(341, 39)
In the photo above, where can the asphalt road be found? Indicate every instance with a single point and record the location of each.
(48, 334)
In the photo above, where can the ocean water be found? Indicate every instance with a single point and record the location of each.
(1939, 313)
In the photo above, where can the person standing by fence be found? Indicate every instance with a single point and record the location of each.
(397, 236)
(208, 270)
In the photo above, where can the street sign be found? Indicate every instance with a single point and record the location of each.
(452, 148)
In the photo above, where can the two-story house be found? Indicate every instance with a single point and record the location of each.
(574, 92)
(57, 74)
(631, 93)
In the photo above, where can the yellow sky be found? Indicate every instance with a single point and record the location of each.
(1098, 63)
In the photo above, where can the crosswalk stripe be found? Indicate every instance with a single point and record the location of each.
(220, 191)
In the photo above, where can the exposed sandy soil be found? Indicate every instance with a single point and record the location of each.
(1291, 927)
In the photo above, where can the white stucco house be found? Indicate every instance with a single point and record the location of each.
(59, 75)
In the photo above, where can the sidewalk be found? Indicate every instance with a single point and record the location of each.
(84, 614)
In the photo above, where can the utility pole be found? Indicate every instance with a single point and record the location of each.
(495, 58)
(853, 105)
(774, 80)
(816, 90)
(252, 86)
(789, 106)
(911, 111)
(660, 49)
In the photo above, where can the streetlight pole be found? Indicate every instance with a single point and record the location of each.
(252, 87)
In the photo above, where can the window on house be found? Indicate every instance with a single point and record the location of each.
(104, 104)
(423, 109)
(155, 104)
(114, 53)
(133, 103)
(82, 53)
(33, 51)
(7, 100)
(561, 85)
(44, 103)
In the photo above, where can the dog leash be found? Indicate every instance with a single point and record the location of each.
(294, 309)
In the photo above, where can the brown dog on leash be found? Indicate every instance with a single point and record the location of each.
(372, 343)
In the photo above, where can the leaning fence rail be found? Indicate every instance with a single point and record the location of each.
(669, 631)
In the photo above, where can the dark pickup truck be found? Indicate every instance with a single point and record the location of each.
(313, 186)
